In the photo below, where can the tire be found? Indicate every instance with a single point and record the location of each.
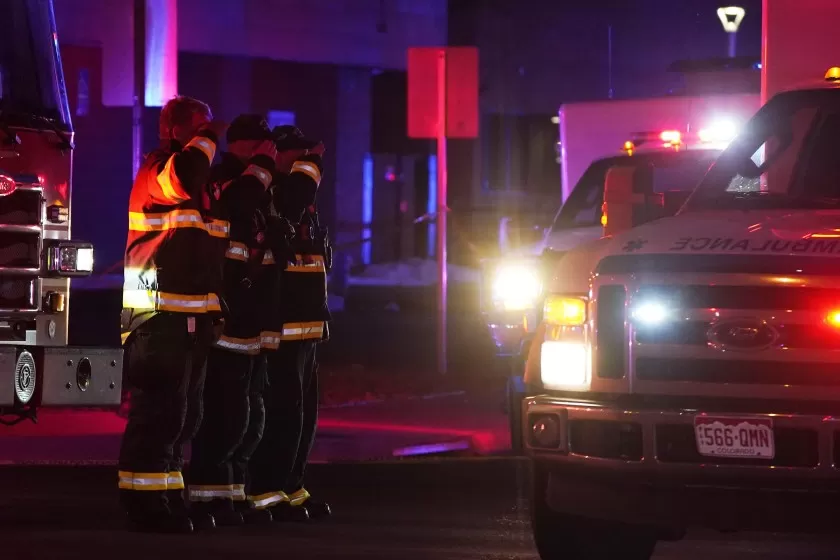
(561, 536)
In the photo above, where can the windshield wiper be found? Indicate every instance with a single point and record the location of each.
(66, 142)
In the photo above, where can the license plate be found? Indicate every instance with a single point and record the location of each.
(746, 438)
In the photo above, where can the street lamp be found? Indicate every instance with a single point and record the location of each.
(731, 17)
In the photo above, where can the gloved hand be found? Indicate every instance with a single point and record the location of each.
(266, 148)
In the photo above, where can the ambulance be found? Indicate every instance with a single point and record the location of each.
(685, 370)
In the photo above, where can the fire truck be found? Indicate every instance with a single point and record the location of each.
(685, 371)
(38, 257)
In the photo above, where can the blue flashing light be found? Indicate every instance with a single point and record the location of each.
(367, 206)
(431, 206)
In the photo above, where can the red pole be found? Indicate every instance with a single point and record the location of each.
(441, 212)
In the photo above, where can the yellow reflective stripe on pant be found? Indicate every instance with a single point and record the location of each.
(299, 497)
(240, 345)
(175, 481)
(163, 301)
(143, 481)
(238, 493)
(268, 499)
(208, 492)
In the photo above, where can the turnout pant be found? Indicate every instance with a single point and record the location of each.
(166, 360)
(291, 408)
(222, 435)
(256, 424)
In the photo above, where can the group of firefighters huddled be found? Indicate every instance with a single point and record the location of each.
(224, 303)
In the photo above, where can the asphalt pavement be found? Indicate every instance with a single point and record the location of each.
(409, 510)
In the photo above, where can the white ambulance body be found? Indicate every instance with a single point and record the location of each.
(685, 372)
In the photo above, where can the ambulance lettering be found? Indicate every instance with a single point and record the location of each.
(728, 244)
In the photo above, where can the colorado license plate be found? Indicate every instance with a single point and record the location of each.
(734, 437)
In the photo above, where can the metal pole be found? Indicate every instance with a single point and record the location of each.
(441, 213)
(733, 36)
(139, 84)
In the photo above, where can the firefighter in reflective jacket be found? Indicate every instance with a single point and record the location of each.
(231, 430)
(295, 324)
(171, 308)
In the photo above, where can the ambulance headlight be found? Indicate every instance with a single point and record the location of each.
(565, 365)
(516, 286)
(70, 259)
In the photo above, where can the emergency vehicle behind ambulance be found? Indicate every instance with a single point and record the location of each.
(38, 257)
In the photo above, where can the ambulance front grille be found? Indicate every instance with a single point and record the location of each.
(722, 325)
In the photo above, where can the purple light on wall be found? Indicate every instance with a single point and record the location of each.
(161, 51)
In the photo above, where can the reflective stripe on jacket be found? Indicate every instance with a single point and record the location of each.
(169, 257)
(241, 191)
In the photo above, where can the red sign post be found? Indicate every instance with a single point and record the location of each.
(442, 102)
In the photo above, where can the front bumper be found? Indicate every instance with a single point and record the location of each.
(61, 377)
(641, 466)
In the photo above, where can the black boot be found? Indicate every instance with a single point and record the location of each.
(317, 509)
(222, 512)
(201, 520)
(148, 511)
(286, 512)
(252, 515)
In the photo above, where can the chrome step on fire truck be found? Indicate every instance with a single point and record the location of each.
(38, 258)
(687, 371)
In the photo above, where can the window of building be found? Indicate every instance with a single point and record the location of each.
(280, 118)
(521, 154)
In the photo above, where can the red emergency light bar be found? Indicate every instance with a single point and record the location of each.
(718, 133)
(664, 139)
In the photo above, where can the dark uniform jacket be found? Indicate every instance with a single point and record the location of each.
(299, 297)
(237, 194)
(169, 256)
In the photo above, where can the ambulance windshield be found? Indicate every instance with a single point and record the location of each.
(787, 158)
(31, 85)
(672, 171)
